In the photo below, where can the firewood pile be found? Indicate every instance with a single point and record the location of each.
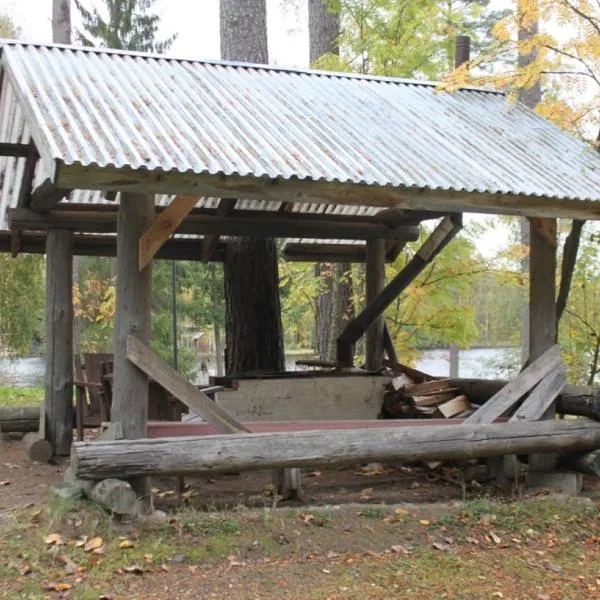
(412, 394)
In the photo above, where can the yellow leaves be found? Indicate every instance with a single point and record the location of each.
(57, 586)
(424, 522)
(125, 544)
(93, 544)
(500, 31)
(54, 539)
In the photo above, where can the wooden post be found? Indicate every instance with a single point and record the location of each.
(59, 345)
(542, 306)
(375, 284)
(130, 385)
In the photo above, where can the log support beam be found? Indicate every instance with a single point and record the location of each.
(542, 307)
(440, 237)
(130, 385)
(375, 275)
(46, 196)
(59, 341)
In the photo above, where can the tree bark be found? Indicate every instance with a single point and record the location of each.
(324, 29)
(221, 453)
(20, 419)
(375, 284)
(324, 311)
(254, 332)
(254, 336)
(61, 21)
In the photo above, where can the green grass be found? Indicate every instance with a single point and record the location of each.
(26, 396)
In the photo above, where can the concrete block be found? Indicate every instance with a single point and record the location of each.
(564, 482)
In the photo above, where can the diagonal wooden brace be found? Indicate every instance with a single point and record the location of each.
(445, 231)
(165, 224)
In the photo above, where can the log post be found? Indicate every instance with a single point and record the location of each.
(59, 341)
(130, 385)
(542, 307)
(375, 284)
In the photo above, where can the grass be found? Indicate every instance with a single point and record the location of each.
(522, 550)
(17, 396)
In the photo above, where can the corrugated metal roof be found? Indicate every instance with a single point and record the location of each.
(115, 109)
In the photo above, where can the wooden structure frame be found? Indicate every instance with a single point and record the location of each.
(47, 218)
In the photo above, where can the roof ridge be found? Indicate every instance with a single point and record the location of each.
(246, 65)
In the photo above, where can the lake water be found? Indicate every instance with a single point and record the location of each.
(489, 363)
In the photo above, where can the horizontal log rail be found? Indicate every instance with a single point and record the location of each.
(249, 451)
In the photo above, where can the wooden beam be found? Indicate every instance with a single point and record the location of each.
(134, 297)
(31, 161)
(16, 150)
(511, 393)
(433, 245)
(259, 224)
(375, 283)
(152, 366)
(281, 190)
(163, 226)
(59, 341)
(253, 451)
(209, 244)
(46, 196)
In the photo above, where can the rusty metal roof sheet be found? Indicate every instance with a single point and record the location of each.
(133, 111)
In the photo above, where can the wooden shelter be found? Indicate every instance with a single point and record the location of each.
(143, 157)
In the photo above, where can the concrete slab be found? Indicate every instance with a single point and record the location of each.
(564, 482)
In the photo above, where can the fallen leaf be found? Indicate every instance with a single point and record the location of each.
(105, 597)
(472, 540)
(148, 558)
(398, 549)
(440, 546)
(497, 595)
(495, 538)
(132, 570)
(126, 544)
(25, 570)
(82, 541)
(35, 515)
(93, 544)
(53, 539)
(425, 522)
(234, 561)
(365, 494)
(57, 586)
(5, 482)
(164, 568)
(401, 512)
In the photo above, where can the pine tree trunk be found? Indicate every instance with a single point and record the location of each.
(324, 311)
(254, 333)
(324, 29)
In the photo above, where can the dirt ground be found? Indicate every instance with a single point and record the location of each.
(359, 533)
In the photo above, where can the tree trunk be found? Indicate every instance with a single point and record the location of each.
(61, 21)
(254, 332)
(324, 29)
(308, 449)
(324, 311)
(254, 337)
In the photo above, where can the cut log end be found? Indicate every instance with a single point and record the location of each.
(115, 495)
(38, 449)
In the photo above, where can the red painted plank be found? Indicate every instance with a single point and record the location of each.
(158, 429)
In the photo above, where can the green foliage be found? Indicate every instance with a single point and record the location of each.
(8, 28)
(125, 25)
(407, 38)
(21, 302)
(27, 396)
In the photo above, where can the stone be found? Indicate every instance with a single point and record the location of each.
(564, 482)
(67, 490)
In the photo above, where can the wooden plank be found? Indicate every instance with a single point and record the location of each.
(59, 341)
(511, 393)
(375, 283)
(303, 449)
(150, 364)
(453, 407)
(165, 224)
(434, 399)
(16, 150)
(542, 397)
(281, 190)
(133, 313)
(419, 389)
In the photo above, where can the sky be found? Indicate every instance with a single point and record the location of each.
(196, 23)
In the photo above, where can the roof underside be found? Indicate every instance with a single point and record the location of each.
(108, 120)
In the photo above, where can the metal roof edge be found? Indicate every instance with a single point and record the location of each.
(247, 65)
